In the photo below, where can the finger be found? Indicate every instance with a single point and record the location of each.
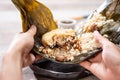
(86, 64)
(100, 39)
(32, 30)
(29, 60)
(38, 57)
(32, 58)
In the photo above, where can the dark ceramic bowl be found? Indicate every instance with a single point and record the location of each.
(58, 71)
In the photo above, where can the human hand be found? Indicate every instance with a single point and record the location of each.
(22, 45)
(106, 65)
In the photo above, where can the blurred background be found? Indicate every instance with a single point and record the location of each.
(10, 21)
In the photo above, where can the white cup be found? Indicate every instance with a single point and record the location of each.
(67, 23)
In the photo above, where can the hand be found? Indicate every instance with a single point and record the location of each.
(22, 45)
(18, 55)
(106, 65)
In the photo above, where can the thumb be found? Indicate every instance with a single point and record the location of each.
(100, 39)
(32, 30)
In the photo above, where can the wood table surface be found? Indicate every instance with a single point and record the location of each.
(10, 21)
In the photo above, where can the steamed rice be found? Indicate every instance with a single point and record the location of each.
(64, 44)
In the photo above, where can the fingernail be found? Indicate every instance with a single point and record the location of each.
(33, 27)
(95, 32)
